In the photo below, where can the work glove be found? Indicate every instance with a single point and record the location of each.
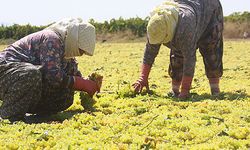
(214, 86)
(89, 86)
(143, 79)
(185, 87)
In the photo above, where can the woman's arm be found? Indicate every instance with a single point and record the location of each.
(150, 53)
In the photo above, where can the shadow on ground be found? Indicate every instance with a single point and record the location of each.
(230, 96)
(195, 97)
(55, 118)
(49, 119)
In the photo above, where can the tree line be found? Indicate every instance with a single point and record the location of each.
(136, 25)
(18, 31)
(238, 17)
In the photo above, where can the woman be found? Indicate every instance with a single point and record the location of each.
(38, 73)
(184, 26)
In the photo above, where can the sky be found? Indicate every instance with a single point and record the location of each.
(47, 11)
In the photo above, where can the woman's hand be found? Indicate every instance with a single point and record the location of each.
(87, 85)
(140, 84)
(143, 80)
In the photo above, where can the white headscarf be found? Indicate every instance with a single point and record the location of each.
(163, 21)
(76, 35)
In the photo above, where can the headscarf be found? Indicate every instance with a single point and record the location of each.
(163, 21)
(76, 35)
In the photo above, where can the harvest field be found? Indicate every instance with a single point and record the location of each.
(121, 120)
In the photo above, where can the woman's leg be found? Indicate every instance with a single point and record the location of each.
(211, 48)
(53, 100)
(175, 71)
(20, 88)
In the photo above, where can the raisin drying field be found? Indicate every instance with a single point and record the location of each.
(122, 120)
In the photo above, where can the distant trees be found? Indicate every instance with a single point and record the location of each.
(238, 17)
(137, 26)
(17, 31)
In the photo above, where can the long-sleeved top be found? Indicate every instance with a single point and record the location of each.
(194, 18)
(46, 49)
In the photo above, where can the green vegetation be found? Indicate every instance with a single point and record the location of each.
(121, 120)
(136, 25)
(17, 31)
(128, 29)
(238, 17)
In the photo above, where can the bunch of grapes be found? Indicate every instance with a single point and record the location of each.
(87, 101)
(97, 78)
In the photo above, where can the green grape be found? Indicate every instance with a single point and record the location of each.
(86, 101)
